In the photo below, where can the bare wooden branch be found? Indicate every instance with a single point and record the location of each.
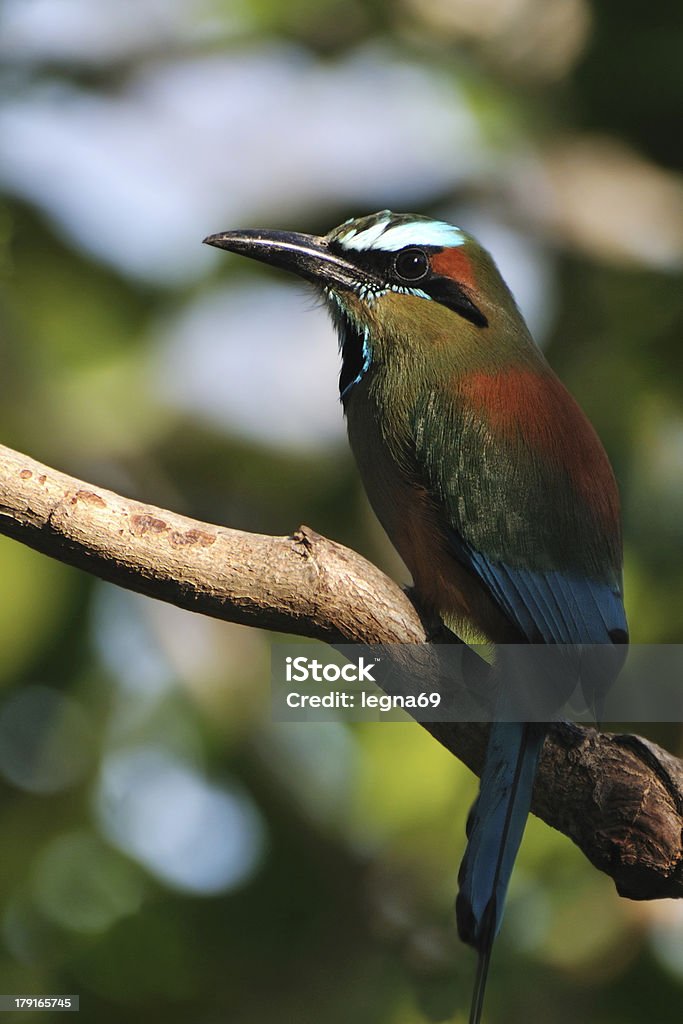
(620, 798)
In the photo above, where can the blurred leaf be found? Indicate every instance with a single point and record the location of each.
(34, 603)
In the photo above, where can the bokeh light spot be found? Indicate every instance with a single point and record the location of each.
(83, 885)
(190, 833)
(45, 740)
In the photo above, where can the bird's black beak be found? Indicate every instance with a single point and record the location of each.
(309, 256)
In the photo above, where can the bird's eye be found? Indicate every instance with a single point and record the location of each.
(411, 264)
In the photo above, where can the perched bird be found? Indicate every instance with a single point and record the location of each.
(484, 472)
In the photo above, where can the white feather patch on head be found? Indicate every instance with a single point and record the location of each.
(354, 239)
(391, 239)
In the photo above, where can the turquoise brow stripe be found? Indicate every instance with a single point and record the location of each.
(391, 239)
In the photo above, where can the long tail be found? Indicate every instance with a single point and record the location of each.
(494, 830)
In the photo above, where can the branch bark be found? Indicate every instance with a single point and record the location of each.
(619, 798)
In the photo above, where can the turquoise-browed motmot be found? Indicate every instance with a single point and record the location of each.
(486, 475)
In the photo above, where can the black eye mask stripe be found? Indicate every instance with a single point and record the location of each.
(448, 293)
(443, 290)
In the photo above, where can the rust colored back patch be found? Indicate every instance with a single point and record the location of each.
(538, 409)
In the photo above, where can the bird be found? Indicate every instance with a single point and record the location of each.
(486, 475)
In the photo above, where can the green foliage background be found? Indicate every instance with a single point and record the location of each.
(338, 905)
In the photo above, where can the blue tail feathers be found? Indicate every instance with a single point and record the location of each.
(495, 828)
(494, 831)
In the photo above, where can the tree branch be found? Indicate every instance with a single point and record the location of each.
(619, 798)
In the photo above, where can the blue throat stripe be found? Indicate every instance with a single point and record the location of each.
(367, 359)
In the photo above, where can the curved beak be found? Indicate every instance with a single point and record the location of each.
(309, 256)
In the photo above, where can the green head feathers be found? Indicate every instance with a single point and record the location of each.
(400, 280)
